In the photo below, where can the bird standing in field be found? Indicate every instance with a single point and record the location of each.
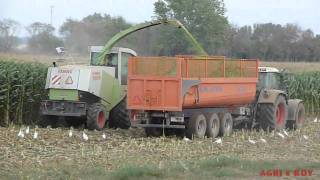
(103, 135)
(70, 132)
(218, 141)
(21, 134)
(281, 135)
(35, 135)
(263, 140)
(252, 141)
(285, 132)
(27, 130)
(186, 139)
(85, 136)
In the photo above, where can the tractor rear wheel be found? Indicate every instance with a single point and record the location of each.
(226, 124)
(119, 116)
(213, 125)
(273, 115)
(196, 126)
(96, 116)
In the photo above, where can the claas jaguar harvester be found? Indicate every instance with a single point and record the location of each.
(208, 96)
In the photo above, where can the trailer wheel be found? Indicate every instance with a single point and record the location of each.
(119, 116)
(226, 124)
(273, 116)
(196, 126)
(213, 125)
(153, 132)
(96, 116)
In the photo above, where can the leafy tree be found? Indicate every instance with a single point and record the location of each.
(204, 18)
(8, 29)
(42, 38)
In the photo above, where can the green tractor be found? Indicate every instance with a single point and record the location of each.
(95, 94)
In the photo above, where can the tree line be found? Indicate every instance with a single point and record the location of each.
(205, 19)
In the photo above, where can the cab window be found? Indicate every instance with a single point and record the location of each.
(124, 67)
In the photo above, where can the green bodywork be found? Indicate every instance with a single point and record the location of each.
(64, 94)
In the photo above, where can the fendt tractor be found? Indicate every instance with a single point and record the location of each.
(208, 96)
(96, 94)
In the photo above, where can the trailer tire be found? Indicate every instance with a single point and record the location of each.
(213, 125)
(273, 115)
(119, 116)
(226, 124)
(96, 116)
(196, 127)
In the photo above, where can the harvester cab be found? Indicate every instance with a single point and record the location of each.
(117, 58)
(93, 94)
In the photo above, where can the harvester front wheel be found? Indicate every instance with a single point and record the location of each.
(119, 116)
(213, 125)
(273, 115)
(226, 124)
(96, 116)
(196, 127)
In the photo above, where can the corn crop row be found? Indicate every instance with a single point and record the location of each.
(306, 86)
(21, 89)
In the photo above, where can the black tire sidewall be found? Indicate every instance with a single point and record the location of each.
(226, 118)
(212, 118)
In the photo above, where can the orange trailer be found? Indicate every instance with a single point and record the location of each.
(167, 92)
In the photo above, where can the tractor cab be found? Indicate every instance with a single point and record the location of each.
(117, 58)
(270, 78)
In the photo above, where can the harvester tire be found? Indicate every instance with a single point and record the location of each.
(196, 127)
(226, 124)
(273, 115)
(119, 116)
(213, 125)
(96, 116)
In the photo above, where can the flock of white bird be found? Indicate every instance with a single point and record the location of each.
(283, 134)
(23, 132)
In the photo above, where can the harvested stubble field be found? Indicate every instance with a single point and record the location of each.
(129, 154)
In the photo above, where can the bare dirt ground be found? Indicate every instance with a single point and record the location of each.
(56, 155)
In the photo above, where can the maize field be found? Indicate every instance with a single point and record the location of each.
(21, 89)
(306, 86)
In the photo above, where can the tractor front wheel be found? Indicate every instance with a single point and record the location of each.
(96, 116)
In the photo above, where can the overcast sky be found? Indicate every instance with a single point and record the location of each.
(306, 13)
